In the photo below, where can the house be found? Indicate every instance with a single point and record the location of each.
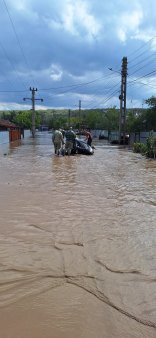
(14, 130)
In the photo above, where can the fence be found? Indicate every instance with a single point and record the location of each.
(140, 136)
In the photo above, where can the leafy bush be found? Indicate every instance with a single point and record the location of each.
(151, 145)
(140, 148)
(148, 149)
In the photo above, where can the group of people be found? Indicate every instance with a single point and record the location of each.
(62, 146)
(59, 142)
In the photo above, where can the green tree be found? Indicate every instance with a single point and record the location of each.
(151, 113)
(112, 119)
(24, 119)
(92, 119)
(136, 122)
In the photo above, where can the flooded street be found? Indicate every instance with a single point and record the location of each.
(77, 242)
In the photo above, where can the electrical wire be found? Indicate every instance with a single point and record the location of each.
(17, 38)
(149, 41)
(73, 87)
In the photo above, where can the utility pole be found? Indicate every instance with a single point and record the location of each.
(33, 99)
(79, 112)
(122, 98)
(69, 114)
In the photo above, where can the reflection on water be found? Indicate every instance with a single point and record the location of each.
(13, 146)
(64, 169)
(77, 245)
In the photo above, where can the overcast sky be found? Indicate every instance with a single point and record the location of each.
(72, 50)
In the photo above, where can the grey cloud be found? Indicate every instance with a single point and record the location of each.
(79, 56)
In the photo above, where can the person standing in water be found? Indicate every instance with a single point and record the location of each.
(70, 140)
(58, 141)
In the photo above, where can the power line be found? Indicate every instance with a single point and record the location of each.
(80, 85)
(142, 83)
(90, 104)
(148, 59)
(140, 49)
(146, 75)
(105, 100)
(75, 85)
(17, 38)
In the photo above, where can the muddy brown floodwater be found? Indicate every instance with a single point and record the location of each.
(77, 242)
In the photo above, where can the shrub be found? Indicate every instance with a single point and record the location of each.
(148, 149)
(151, 145)
(140, 148)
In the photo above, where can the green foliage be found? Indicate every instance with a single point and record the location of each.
(111, 119)
(56, 121)
(92, 119)
(5, 115)
(148, 149)
(139, 147)
(144, 119)
(102, 119)
(107, 119)
(151, 145)
(151, 102)
(151, 113)
(24, 119)
(137, 121)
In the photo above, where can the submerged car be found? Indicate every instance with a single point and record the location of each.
(81, 147)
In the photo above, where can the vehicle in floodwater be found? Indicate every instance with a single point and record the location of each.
(81, 147)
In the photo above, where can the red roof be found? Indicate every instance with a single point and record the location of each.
(7, 124)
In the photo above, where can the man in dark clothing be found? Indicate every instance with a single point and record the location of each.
(70, 140)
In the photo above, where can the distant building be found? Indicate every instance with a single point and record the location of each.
(43, 128)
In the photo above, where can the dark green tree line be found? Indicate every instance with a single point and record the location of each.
(108, 119)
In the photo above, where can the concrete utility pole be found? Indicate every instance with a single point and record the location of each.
(79, 112)
(33, 90)
(122, 98)
(69, 115)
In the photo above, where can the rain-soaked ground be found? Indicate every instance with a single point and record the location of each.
(77, 242)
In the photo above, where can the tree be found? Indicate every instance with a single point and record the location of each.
(102, 119)
(151, 102)
(151, 113)
(92, 118)
(135, 122)
(24, 119)
(112, 119)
